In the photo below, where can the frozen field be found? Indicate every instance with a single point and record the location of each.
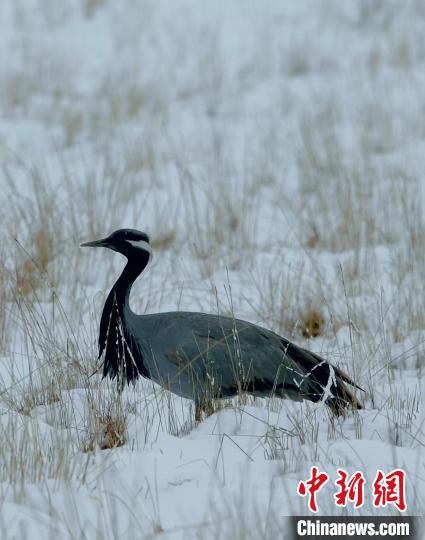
(275, 153)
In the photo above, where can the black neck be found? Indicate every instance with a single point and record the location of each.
(120, 292)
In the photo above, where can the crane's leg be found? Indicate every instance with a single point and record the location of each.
(203, 408)
(198, 412)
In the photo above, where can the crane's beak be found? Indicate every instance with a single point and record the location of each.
(96, 243)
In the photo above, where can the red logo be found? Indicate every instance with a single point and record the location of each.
(390, 489)
(387, 489)
(350, 488)
(312, 486)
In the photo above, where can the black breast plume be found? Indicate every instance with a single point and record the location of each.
(122, 357)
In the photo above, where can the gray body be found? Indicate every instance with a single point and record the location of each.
(196, 355)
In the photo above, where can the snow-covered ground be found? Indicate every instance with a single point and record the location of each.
(275, 153)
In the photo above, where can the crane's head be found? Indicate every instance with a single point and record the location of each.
(129, 242)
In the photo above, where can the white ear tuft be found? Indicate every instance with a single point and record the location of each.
(141, 244)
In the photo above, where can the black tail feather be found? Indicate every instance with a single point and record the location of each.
(327, 382)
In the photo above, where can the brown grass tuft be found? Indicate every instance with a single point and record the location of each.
(164, 241)
(111, 433)
(311, 323)
(43, 249)
(37, 398)
(29, 275)
(114, 433)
